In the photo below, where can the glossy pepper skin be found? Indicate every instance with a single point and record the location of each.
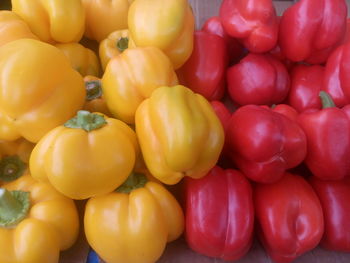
(44, 95)
(219, 214)
(334, 197)
(309, 31)
(102, 17)
(53, 21)
(146, 214)
(328, 141)
(82, 59)
(168, 25)
(87, 156)
(254, 22)
(12, 27)
(179, 134)
(264, 144)
(51, 225)
(95, 101)
(132, 76)
(205, 71)
(289, 217)
(258, 79)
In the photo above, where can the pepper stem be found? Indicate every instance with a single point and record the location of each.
(122, 43)
(86, 120)
(93, 89)
(11, 168)
(326, 99)
(134, 181)
(14, 206)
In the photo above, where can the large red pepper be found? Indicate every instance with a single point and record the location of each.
(328, 140)
(258, 79)
(204, 72)
(311, 29)
(289, 217)
(264, 143)
(219, 214)
(253, 21)
(335, 201)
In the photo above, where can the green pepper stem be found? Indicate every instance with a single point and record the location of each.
(122, 44)
(134, 181)
(326, 99)
(93, 89)
(11, 168)
(86, 121)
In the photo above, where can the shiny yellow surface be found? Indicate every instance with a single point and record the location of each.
(168, 25)
(105, 16)
(135, 227)
(82, 164)
(179, 134)
(21, 147)
(12, 27)
(51, 225)
(53, 20)
(132, 76)
(82, 59)
(38, 90)
(8, 130)
(98, 104)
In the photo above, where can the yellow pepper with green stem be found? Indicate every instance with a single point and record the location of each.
(95, 101)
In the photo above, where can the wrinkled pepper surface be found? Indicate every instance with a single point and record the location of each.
(95, 101)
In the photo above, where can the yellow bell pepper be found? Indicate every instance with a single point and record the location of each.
(89, 155)
(179, 134)
(113, 45)
(94, 99)
(21, 148)
(168, 25)
(82, 59)
(134, 223)
(53, 20)
(105, 16)
(132, 76)
(38, 90)
(36, 222)
(8, 131)
(12, 27)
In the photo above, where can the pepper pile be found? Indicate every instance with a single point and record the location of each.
(115, 124)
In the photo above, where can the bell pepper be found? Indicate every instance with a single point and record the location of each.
(289, 217)
(264, 144)
(306, 84)
(132, 76)
(103, 17)
(12, 27)
(113, 45)
(36, 222)
(334, 197)
(204, 72)
(219, 214)
(21, 148)
(286, 110)
(134, 223)
(328, 140)
(94, 98)
(235, 49)
(254, 22)
(82, 59)
(168, 25)
(8, 131)
(309, 31)
(87, 156)
(45, 94)
(258, 79)
(53, 21)
(336, 76)
(179, 134)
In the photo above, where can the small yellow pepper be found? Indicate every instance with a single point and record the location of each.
(179, 134)
(134, 223)
(94, 98)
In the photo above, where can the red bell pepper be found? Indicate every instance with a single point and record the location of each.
(286, 110)
(289, 217)
(258, 79)
(328, 140)
(204, 72)
(306, 83)
(235, 49)
(337, 75)
(219, 214)
(253, 21)
(311, 29)
(264, 143)
(335, 201)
